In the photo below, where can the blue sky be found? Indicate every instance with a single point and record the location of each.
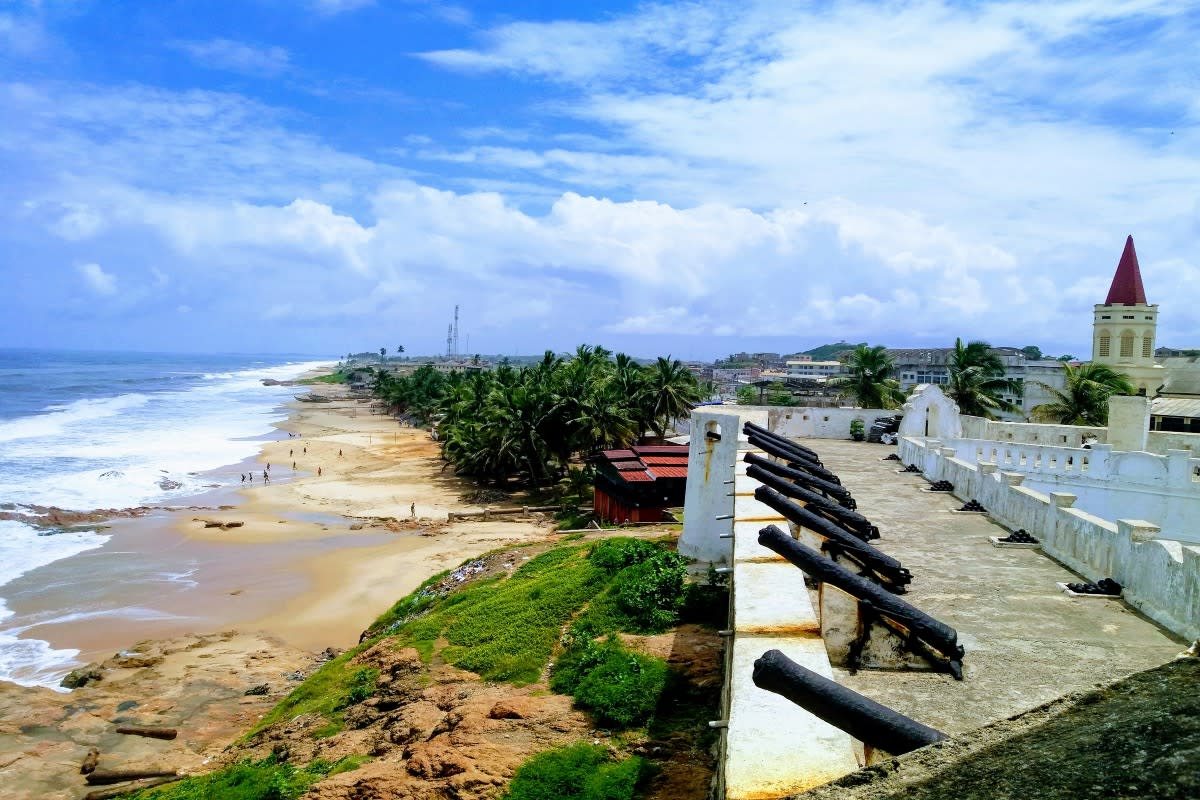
(689, 178)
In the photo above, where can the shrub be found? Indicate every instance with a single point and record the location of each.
(651, 591)
(578, 772)
(620, 688)
(614, 555)
(362, 686)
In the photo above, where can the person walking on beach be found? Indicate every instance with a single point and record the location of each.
(266, 477)
(293, 466)
(305, 449)
(243, 477)
(339, 453)
(412, 510)
(318, 472)
(291, 453)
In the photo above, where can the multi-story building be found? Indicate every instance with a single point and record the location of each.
(930, 365)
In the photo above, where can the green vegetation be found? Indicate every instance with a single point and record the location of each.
(977, 381)
(1084, 398)
(508, 627)
(338, 376)
(857, 430)
(870, 381)
(336, 686)
(620, 688)
(579, 772)
(262, 780)
(832, 352)
(531, 422)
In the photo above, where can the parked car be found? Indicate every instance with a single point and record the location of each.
(884, 429)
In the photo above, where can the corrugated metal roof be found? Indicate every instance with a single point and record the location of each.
(672, 461)
(669, 472)
(624, 466)
(635, 477)
(1174, 407)
(657, 449)
(617, 455)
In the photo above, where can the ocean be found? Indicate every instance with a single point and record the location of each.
(92, 430)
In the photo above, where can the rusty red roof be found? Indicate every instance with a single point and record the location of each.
(625, 466)
(669, 472)
(672, 461)
(658, 449)
(635, 477)
(618, 455)
(1127, 286)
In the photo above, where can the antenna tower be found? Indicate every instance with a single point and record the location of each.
(449, 340)
(456, 330)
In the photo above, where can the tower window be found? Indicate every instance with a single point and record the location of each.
(1127, 316)
(1104, 346)
(1127, 344)
(1106, 316)
(1147, 347)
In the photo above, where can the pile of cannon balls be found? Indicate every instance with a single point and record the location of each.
(973, 505)
(1019, 537)
(942, 486)
(1105, 586)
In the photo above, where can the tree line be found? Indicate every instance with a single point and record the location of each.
(977, 383)
(530, 423)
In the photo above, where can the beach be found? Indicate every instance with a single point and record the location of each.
(313, 561)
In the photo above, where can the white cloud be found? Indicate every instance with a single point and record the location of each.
(96, 279)
(20, 36)
(236, 56)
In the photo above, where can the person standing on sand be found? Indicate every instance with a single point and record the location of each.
(243, 477)
(291, 453)
(293, 466)
(318, 472)
(266, 477)
(305, 449)
(339, 453)
(412, 510)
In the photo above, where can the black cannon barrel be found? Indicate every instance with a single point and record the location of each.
(936, 634)
(852, 521)
(776, 449)
(750, 428)
(841, 493)
(863, 718)
(802, 452)
(888, 569)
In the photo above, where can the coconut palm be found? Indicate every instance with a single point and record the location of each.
(1084, 398)
(870, 382)
(671, 392)
(977, 381)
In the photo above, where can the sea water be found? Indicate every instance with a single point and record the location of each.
(88, 430)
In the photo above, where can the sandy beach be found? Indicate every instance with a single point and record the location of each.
(313, 562)
(315, 558)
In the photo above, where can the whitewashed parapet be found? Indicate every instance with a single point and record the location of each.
(796, 422)
(1161, 577)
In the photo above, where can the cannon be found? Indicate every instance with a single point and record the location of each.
(801, 475)
(898, 627)
(802, 453)
(776, 448)
(874, 564)
(851, 521)
(875, 725)
(749, 428)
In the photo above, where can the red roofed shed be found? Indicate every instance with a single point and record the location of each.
(638, 484)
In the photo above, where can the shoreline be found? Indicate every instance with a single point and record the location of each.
(314, 562)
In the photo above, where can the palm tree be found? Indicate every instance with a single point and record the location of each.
(869, 381)
(977, 381)
(672, 392)
(1084, 399)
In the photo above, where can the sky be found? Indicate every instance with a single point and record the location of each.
(693, 178)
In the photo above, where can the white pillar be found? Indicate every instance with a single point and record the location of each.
(1128, 422)
(712, 457)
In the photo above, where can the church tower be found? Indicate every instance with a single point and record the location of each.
(1124, 325)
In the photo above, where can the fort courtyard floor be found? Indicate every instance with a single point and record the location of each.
(1026, 641)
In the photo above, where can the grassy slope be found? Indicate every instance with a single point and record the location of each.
(504, 628)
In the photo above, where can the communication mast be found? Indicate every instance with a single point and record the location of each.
(456, 330)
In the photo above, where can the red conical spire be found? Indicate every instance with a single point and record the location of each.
(1126, 289)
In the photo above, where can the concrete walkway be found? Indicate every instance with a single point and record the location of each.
(1026, 642)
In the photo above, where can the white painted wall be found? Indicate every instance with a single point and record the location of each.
(795, 421)
(1164, 490)
(1161, 577)
(711, 462)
